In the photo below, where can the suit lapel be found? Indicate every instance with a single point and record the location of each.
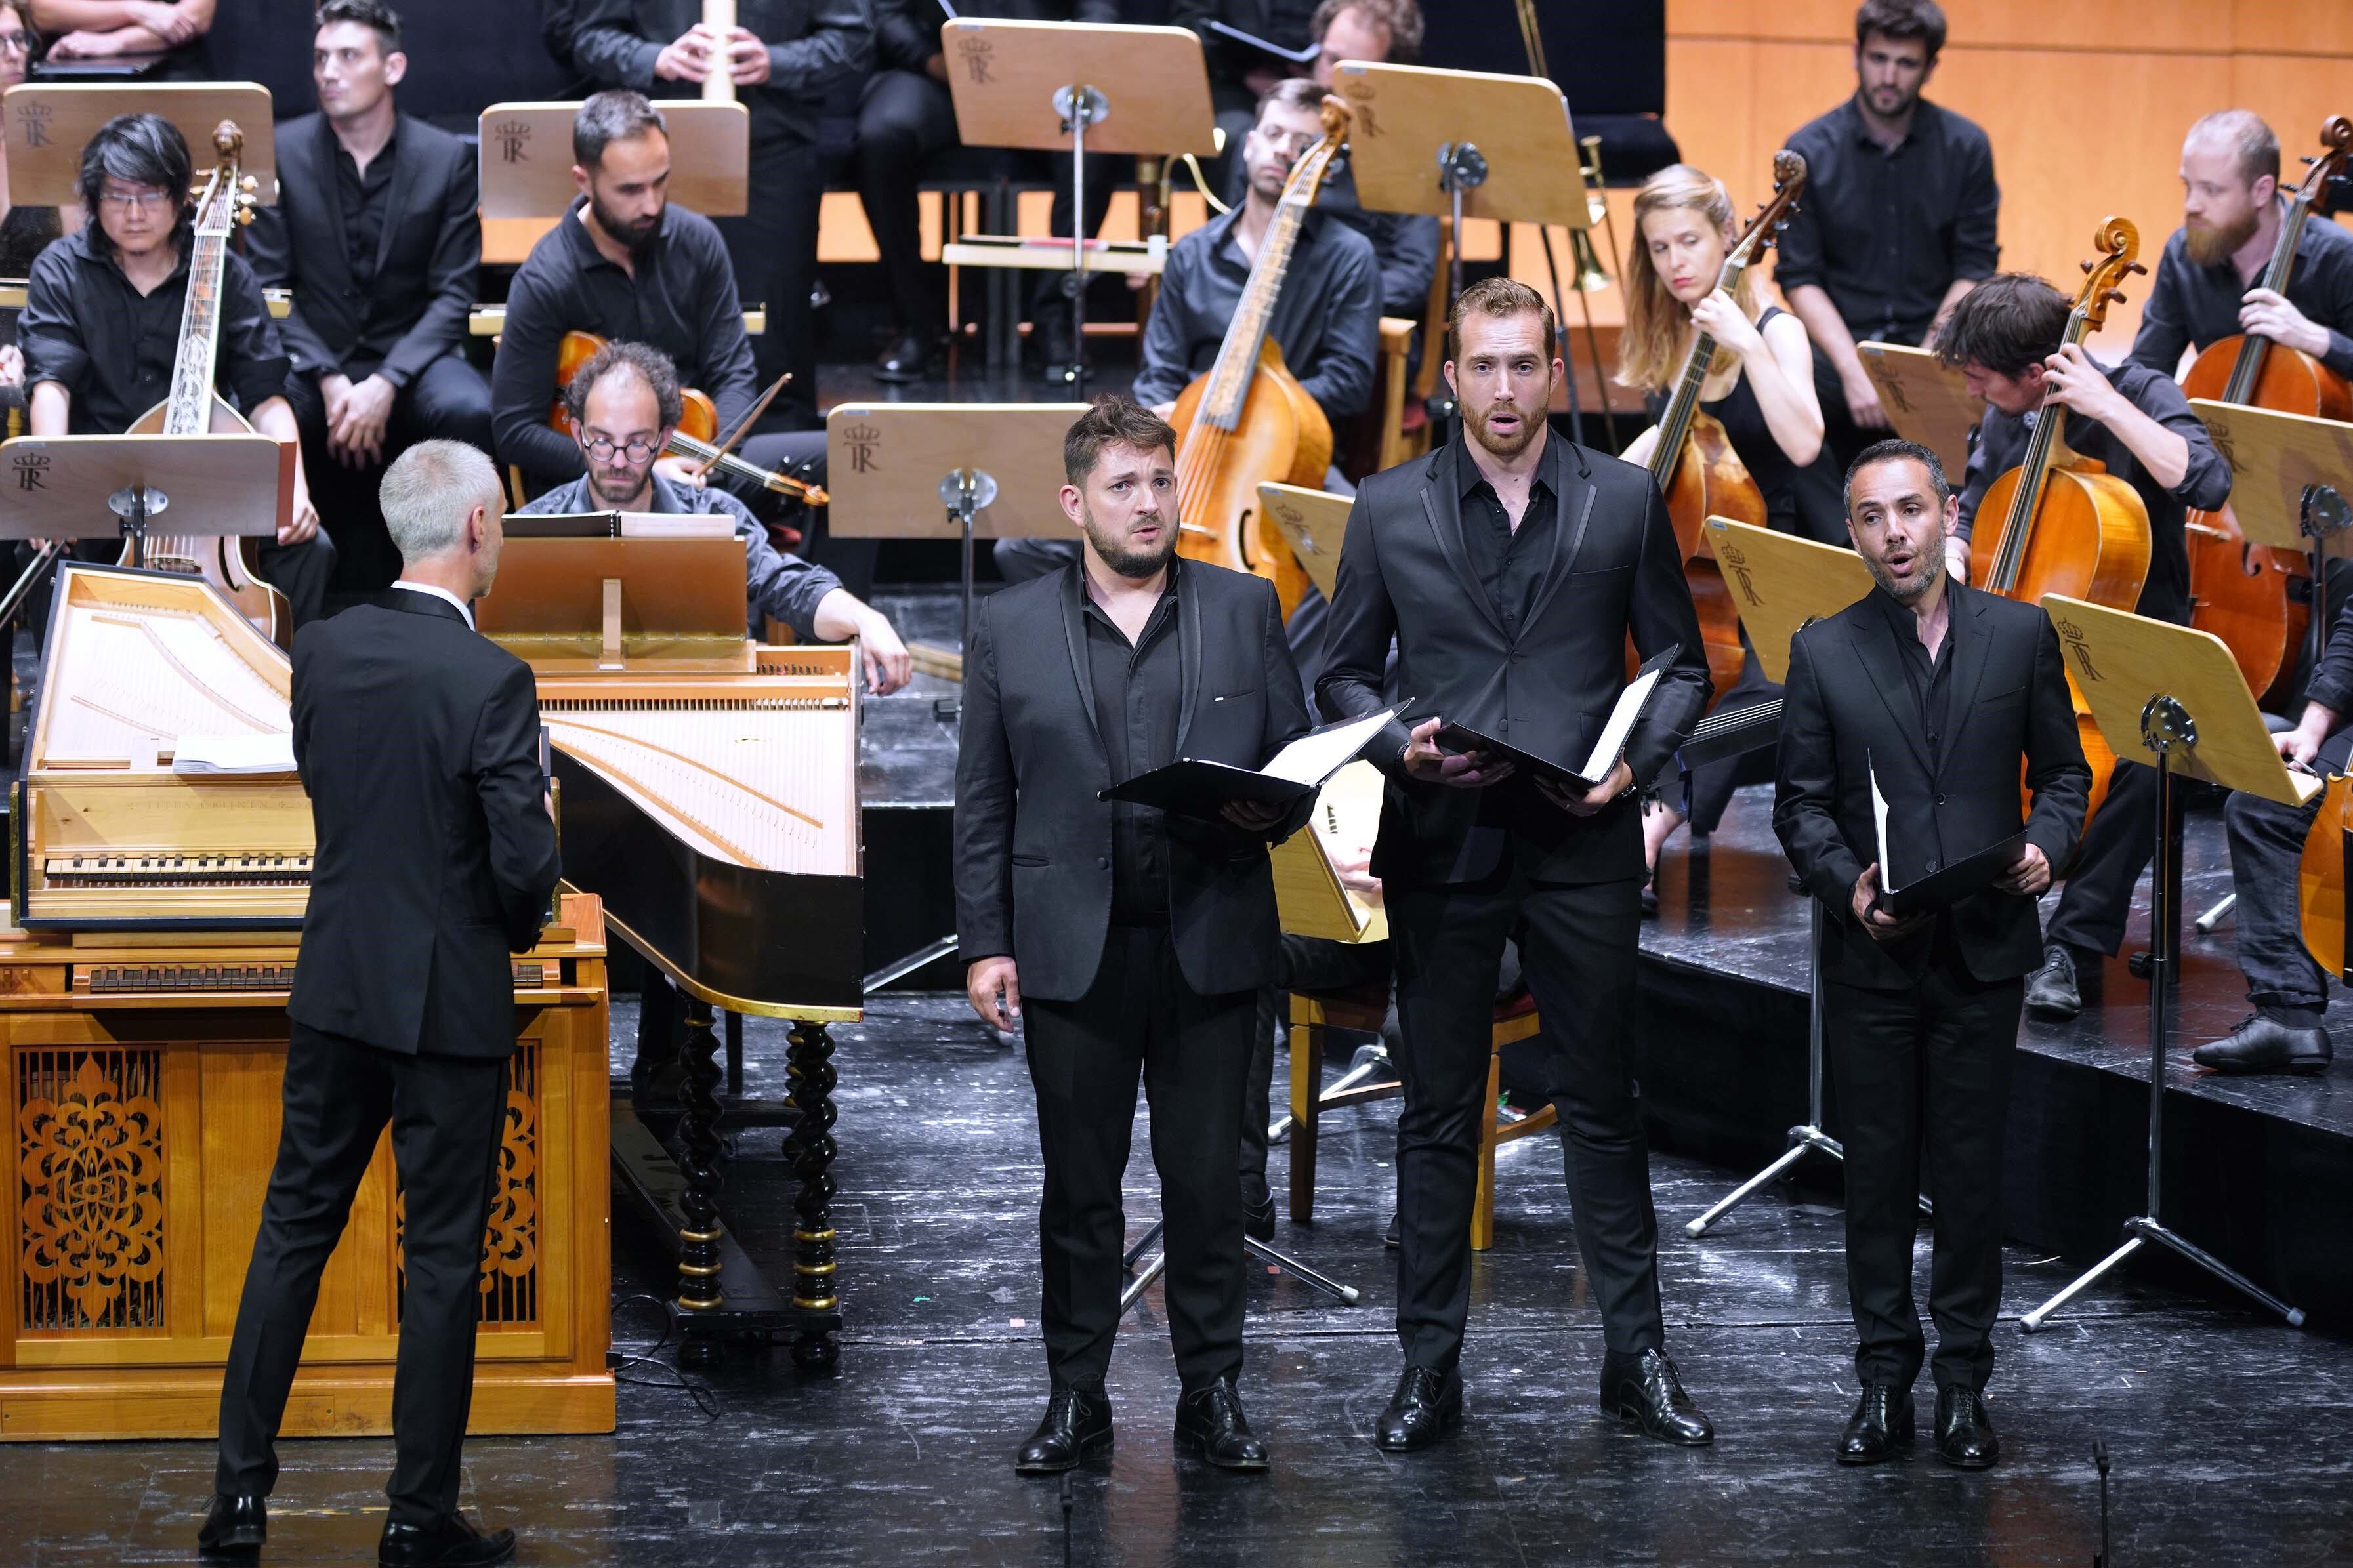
(1572, 509)
(1969, 653)
(1188, 654)
(1074, 634)
(1875, 649)
(405, 153)
(1442, 505)
(329, 185)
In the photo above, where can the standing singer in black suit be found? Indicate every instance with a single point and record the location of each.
(1939, 690)
(1138, 938)
(375, 232)
(1511, 567)
(419, 742)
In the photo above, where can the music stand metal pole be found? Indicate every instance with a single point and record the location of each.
(1461, 167)
(2165, 724)
(134, 505)
(966, 492)
(1080, 106)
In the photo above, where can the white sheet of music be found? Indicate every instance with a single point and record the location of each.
(1612, 741)
(1312, 758)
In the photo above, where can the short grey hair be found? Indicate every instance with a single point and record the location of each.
(2253, 142)
(427, 493)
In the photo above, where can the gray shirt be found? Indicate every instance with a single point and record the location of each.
(777, 586)
(2192, 305)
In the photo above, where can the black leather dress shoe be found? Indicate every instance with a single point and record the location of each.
(1210, 1421)
(235, 1526)
(1645, 1390)
(1427, 1405)
(1076, 1426)
(2051, 991)
(905, 358)
(2266, 1045)
(1258, 1218)
(453, 1543)
(1393, 1237)
(1965, 1436)
(1881, 1423)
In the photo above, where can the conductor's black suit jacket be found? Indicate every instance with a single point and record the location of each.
(1033, 845)
(414, 310)
(1614, 570)
(1848, 709)
(418, 742)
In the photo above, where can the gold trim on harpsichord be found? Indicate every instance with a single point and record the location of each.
(720, 999)
(109, 835)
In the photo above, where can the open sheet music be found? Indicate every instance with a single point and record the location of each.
(1947, 884)
(1609, 746)
(1192, 786)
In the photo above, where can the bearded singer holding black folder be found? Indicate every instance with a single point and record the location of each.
(1511, 567)
(1937, 689)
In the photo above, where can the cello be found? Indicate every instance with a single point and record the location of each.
(2253, 599)
(1697, 470)
(2060, 522)
(1247, 420)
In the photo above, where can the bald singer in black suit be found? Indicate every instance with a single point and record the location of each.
(419, 742)
(1938, 690)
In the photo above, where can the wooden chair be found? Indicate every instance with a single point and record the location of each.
(1403, 429)
(1362, 1009)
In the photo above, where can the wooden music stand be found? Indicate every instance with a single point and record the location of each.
(2273, 457)
(1407, 118)
(48, 124)
(526, 158)
(197, 486)
(1780, 582)
(1315, 521)
(574, 605)
(1313, 899)
(900, 470)
(2175, 695)
(1045, 86)
(1925, 401)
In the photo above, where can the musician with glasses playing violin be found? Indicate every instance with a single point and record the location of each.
(101, 328)
(2005, 339)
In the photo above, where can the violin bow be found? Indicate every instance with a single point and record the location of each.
(742, 426)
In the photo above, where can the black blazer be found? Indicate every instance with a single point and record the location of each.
(1849, 698)
(1615, 570)
(1033, 845)
(414, 310)
(419, 742)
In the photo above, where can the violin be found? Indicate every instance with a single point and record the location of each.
(1698, 472)
(1247, 420)
(2060, 522)
(2252, 597)
(697, 433)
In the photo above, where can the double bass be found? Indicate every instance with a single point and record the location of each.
(1697, 470)
(2060, 522)
(193, 408)
(2253, 599)
(1247, 420)
(697, 434)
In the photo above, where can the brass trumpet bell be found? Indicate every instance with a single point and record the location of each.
(1585, 264)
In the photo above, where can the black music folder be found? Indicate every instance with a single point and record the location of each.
(1949, 883)
(1193, 786)
(1608, 747)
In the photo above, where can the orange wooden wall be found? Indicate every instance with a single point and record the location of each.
(2085, 100)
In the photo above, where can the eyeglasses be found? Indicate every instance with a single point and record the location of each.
(602, 449)
(15, 43)
(149, 200)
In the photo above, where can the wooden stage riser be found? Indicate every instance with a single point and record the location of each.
(143, 1147)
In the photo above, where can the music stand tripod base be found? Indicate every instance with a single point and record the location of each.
(1347, 1295)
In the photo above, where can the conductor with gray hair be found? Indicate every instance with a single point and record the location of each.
(418, 742)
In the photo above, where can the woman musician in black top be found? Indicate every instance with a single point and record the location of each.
(1760, 388)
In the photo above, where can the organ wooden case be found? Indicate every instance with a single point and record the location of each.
(144, 963)
(711, 798)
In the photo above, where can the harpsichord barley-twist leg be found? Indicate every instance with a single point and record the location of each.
(811, 1079)
(698, 1141)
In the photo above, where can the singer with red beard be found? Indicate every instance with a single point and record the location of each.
(1511, 566)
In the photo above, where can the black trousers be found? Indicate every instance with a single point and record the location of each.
(2266, 845)
(447, 1115)
(1578, 952)
(2115, 851)
(1924, 1068)
(447, 401)
(1191, 1050)
(904, 120)
(773, 251)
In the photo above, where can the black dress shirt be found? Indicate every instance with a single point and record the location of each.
(1884, 231)
(812, 45)
(364, 198)
(1326, 321)
(1139, 696)
(1508, 562)
(682, 302)
(1999, 444)
(2192, 305)
(1931, 692)
(111, 348)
